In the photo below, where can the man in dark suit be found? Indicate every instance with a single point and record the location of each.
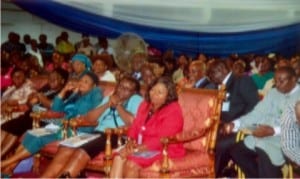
(241, 97)
(197, 75)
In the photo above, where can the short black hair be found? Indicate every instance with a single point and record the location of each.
(287, 69)
(93, 76)
(17, 69)
(132, 80)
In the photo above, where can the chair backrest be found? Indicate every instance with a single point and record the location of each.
(201, 110)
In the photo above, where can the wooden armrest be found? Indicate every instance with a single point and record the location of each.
(184, 137)
(15, 108)
(82, 123)
(47, 115)
(121, 130)
(75, 124)
(39, 115)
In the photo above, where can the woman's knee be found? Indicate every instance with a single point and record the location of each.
(62, 149)
(80, 153)
(131, 166)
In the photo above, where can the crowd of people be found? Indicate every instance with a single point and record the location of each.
(262, 99)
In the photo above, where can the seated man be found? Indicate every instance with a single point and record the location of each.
(241, 97)
(290, 129)
(196, 77)
(260, 155)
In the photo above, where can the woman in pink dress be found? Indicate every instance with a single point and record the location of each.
(158, 116)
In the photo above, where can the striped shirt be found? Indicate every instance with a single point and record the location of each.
(290, 135)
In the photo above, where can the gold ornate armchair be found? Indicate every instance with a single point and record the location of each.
(201, 111)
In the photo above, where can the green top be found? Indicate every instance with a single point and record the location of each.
(260, 80)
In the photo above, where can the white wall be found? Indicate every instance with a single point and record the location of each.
(15, 19)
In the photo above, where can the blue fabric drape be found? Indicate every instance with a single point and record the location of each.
(282, 40)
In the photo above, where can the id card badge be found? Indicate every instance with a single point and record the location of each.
(226, 106)
(140, 135)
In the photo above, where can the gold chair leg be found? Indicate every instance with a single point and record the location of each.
(290, 171)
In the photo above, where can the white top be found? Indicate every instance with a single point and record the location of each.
(108, 76)
(38, 55)
(109, 50)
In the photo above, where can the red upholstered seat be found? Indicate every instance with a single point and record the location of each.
(183, 167)
(98, 162)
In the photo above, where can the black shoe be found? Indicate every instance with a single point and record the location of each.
(229, 172)
(81, 175)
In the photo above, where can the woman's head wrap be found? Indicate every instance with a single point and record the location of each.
(84, 59)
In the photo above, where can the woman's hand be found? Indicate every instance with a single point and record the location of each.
(128, 149)
(70, 86)
(114, 100)
(33, 99)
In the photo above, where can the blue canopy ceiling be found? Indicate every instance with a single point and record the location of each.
(281, 39)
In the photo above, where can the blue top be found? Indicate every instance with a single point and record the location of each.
(78, 105)
(106, 120)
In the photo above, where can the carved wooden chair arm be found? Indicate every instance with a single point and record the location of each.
(40, 115)
(75, 123)
(179, 138)
(8, 110)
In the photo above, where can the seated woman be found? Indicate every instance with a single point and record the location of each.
(85, 97)
(116, 110)
(159, 116)
(58, 61)
(15, 95)
(19, 92)
(100, 68)
(12, 130)
(80, 65)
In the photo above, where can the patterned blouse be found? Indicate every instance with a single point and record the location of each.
(21, 94)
